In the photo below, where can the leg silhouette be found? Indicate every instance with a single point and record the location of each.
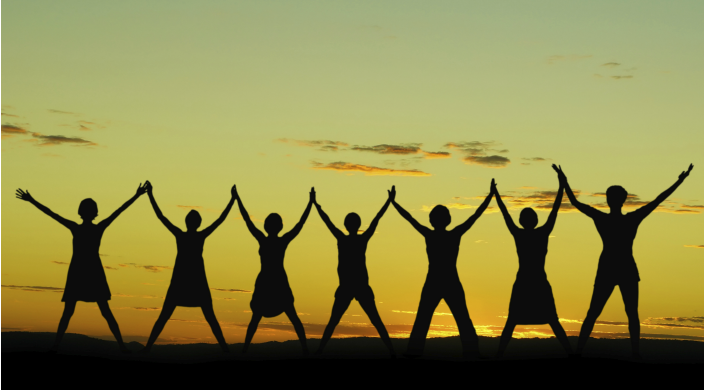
(338, 310)
(561, 335)
(112, 323)
(298, 326)
(214, 326)
(251, 329)
(164, 316)
(470, 341)
(599, 298)
(506, 336)
(69, 309)
(426, 307)
(369, 307)
(629, 292)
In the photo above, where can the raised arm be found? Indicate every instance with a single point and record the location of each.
(297, 229)
(464, 226)
(140, 191)
(248, 221)
(210, 229)
(25, 195)
(408, 217)
(550, 224)
(648, 208)
(375, 222)
(504, 211)
(333, 229)
(590, 211)
(150, 192)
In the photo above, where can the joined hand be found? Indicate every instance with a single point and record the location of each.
(392, 193)
(684, 174)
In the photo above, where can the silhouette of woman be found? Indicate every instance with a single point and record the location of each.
(86, 279)
(272, 294)
(352, 271)
(189, 284)
(443, 281)
(617, 267)
(531, 299)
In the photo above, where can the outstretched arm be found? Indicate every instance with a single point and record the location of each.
(248, 221)
(210, 229)
(504, 211)
(550, 224)
(408, 217)
(25, 195)
(140, 191)
(464, 226)
(648, 208)
(297, 229)
(150, 192)
(333, 229)
(375, 222)
(590, 211)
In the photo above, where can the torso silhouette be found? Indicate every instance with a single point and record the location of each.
(86, 279)
(189, 284)
(272, 293)
(617, 231)
(352, 260)
(442, 247)
(532, 248)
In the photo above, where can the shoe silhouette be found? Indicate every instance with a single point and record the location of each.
(86, 279)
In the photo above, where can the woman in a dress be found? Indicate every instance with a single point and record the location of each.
(189, 285)
(272, 293)
(86, 279)
(531, 299)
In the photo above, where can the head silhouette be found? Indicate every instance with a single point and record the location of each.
(273, 224)
(440, 217)
(528, 218)
(193, 220)
(88, 209)
(616, 196)
(352, 222)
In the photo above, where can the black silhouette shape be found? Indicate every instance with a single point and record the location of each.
(443, 281)
(532, 301)
(86, 279)
(352, 271)
(617, 267)
(272, 294)
(189, 284)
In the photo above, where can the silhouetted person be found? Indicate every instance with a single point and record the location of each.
(352, 271)
(86, 279)
(443, 282)
(189, 285)
(531, 298)
(272, 294)
(617, 267)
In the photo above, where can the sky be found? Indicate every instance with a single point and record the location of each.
(350, 98)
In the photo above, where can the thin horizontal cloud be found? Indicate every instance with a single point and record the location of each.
(494, 161)
(150, 268)
(694, 246)
(60, 262)
(49, 140)
(189, 207)
(402, 149)
(140, 308)
(478, 153)
(415, 312)
(622, 77)
(33, 288)
(61, 112)
(10, 130)
(110, 268)
(230, 290)
(611, 64)
(533, 159)
(323, 145)
(368, 170)
(554, 59)
(693, 206)
(436, 155)
(10, 115)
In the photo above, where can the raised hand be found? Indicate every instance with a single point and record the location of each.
(392, 193)
(141, 189)
(560, 175)
(312, 195)
(24, 195)
(493, 189)
(233, 191)
(148, 186)
(684, 174)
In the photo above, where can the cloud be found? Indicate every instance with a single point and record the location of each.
(402, 149)
(33, 288)
(533, 159)
(10, 115)
(477, 153)
(560, 58)
(142, 308)
(46, 140)
(611, 64)
(488, 161)
(621, 77)
(632, 200)
(323, 145)
(695, 246)
(60, 262)
(231, 290)
(11, 130)
(110, 268)
(189, 207)
(150, 268)
(693, 206)
(61, 112)
(435, 155)
(368, 170)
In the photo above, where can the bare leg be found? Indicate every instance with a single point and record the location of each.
(629, 292)
(369, 307)
(428, 302)
(458, 306)
(599, 298)
(561, 335)
(112, 324)
(251, 329)
(69, 308)
(506, 335)
(338, 310)
(298, 326)
(164, 316)
(214, 326)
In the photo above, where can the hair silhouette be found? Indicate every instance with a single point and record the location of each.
(189, 284)
(86, 279)
(617, 266)
(272, 294)
(443, 281)
(352, 271)
(532, 301)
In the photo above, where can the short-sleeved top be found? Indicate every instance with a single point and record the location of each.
(618, 231)
(352, 260)
(442, 247)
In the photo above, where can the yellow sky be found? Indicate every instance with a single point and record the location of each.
(276, 98)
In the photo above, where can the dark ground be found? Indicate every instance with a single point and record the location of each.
(359, 362)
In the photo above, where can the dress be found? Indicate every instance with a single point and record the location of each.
(352, 268)
(189, 285)
(86, 279)
(272, 294)
(532, 301)
(616, 263)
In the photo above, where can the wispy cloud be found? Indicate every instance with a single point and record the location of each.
(695, 246)
(189, 207)
(367, 169)
(323, 145)
(566, 58)
(61, 112)
(10, 130)
(478, 153)
(230, 290)
(434, 155)
(10, 115)
(611, 64)
(402, 149)
(33, 288)
(142, 308)
(60, 262)
(533, 159)
(150, 268)
(622, 77)
(50, 140)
